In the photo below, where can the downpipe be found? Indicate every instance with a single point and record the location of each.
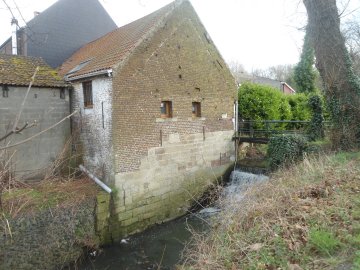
(96, 180)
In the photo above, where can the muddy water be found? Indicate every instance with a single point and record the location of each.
(160, 247)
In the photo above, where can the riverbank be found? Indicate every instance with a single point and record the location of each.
(49, 225)
(305, 217)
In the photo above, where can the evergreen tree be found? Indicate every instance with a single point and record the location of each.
(304, 71)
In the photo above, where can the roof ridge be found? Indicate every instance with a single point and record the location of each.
(113, 49)
(133, 22)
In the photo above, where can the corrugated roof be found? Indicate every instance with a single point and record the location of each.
(109, 50)
(18, 70)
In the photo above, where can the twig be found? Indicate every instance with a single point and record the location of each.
(38, 134)
(162, 257)
(8, 225)
(24, 100)
(18, 130)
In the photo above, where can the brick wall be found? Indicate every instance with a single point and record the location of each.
(95, 125)
(45, 106)
(178, 63)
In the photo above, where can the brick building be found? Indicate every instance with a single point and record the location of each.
(47, 103)
(156, 104)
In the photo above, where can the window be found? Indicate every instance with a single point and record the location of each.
(196, 109)
(88, 98)
(62, 93)
(166, 109)
(5, 91)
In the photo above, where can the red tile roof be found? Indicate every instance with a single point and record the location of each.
(109, 50)
(18, 70)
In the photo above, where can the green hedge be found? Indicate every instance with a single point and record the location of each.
(260, 102)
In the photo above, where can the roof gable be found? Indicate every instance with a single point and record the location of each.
(111, 49)
(18, 70)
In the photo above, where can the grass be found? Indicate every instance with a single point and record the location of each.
(304, 217)
(47, 194)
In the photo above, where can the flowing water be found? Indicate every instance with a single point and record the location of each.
(163, 244)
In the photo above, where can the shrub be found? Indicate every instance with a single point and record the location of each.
(286, 149)
(299, 109)
(259, 102)
(316, 128)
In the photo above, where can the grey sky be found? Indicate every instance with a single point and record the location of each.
(255, 33)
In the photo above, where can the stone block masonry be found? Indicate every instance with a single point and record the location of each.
(170, 180)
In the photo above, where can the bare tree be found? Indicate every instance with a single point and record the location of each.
(351, 31)
(238, 71)
(283, 73)
(342, 87)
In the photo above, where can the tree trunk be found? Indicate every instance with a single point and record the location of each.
(342, 88)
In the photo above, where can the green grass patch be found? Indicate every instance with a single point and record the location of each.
(323, 241)
(47, 194)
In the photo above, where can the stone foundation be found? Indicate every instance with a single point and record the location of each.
(171, 178)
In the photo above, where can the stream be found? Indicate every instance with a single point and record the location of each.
(162, 245)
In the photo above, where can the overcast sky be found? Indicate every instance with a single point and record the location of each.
(255, 33)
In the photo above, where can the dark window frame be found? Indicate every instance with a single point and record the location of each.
(196, 109)
(88, 94)
(62, 93)
(166, 109)
(5, 91)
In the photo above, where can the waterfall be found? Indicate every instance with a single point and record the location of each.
(233, 192)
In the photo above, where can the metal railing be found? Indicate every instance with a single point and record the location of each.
(268, 128)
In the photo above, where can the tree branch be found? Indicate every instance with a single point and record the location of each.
(18, 130)
(23, 103)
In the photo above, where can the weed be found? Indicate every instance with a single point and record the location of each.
(323, 241)
(356, 263)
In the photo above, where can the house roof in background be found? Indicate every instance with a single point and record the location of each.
(56, 33)
(109, 50)
(18, 70)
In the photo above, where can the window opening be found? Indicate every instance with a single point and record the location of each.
(88, 97)
(166, 109)
(196, 109)
(5, 91)
(62, 93)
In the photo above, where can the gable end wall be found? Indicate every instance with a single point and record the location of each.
(160, 165)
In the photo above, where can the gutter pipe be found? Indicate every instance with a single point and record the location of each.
(107, 72)
(97, 180)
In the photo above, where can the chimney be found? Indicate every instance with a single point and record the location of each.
(14, 24)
